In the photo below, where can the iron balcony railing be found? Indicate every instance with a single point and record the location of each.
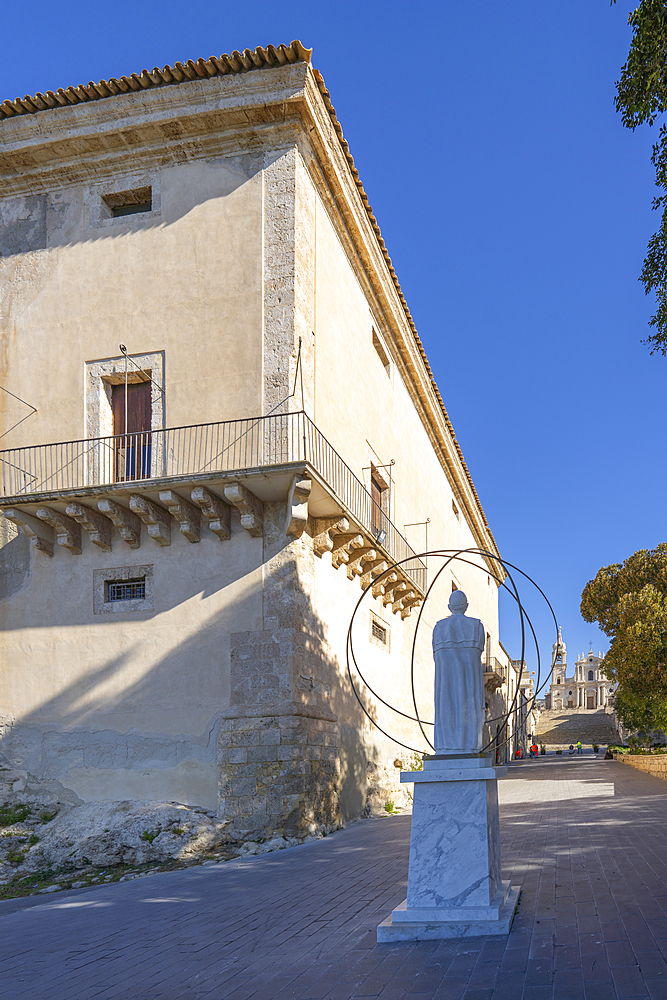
(202, 450)
(491, 663)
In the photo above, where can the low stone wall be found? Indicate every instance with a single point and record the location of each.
(655, 764)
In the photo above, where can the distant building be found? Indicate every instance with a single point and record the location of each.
(588, 689)
(592, 689)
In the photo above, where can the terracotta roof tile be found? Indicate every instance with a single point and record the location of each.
(237, 62)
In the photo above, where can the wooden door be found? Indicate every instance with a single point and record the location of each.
(376, 512)
(590, 701)
(133, 443)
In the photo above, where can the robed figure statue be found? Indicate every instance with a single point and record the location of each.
(458, 642)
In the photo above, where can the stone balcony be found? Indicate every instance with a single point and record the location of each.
(192, 477)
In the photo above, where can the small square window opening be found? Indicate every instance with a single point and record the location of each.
(131, 202)
(123, 590)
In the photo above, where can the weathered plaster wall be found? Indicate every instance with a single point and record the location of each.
(186, 280)
(14, 559)
(370, 417)
(363, 747)
(124, 705)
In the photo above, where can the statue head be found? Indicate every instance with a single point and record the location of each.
(458, 602)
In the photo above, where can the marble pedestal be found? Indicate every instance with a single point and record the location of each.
(454, 884)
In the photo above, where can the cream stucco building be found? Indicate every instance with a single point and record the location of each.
(190, 518)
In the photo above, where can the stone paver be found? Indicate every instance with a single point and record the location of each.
(586, 840)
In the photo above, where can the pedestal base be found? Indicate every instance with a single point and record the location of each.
(454, 882)
(439, 923)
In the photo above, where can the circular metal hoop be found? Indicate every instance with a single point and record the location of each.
(453, 555)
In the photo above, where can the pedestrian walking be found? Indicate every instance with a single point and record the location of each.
(578, 746)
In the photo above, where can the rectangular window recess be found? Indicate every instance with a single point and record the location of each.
(381, 353)
(129, 202)
(126, 590)
(378, 632)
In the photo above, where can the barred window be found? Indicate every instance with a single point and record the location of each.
(378, 632)
(126, 590)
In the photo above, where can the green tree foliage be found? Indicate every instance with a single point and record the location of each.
(641, 97)
(629, 602)
(640, 715)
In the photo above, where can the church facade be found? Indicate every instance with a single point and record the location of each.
(588, 689)
(220, 429)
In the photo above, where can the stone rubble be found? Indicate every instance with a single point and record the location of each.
(107, 834)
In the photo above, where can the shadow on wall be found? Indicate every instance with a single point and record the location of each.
(14, 559)
(128, 724)
(68, 747)
(29, 223)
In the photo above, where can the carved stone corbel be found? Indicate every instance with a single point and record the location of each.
(385, 584)
(41, 535)
(296, 517)
(187, 515)
(325, 529)
(343, 545)
(218, 512)
(68, 532)
(409, 604)
(156, 518)
(402, 601)
(371, 572)
(355, 565)
(250, 507)
(128, 524)
(98, 527)
(394, 592)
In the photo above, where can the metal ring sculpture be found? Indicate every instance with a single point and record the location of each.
(451, 555)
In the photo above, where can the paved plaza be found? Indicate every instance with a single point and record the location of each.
(586, 840)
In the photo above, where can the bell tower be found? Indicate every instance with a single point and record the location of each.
(556, 698)
(559, 659)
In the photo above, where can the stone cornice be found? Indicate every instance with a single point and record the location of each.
(71, 145)
(282, 106)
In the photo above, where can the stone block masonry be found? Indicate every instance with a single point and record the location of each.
(279, 774)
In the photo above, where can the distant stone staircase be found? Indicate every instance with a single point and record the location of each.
(558, 728)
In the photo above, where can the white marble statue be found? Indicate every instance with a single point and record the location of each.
(458, 642)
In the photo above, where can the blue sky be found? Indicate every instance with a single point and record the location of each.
(516, 210)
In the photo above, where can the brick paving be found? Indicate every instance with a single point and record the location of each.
(586, 839)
